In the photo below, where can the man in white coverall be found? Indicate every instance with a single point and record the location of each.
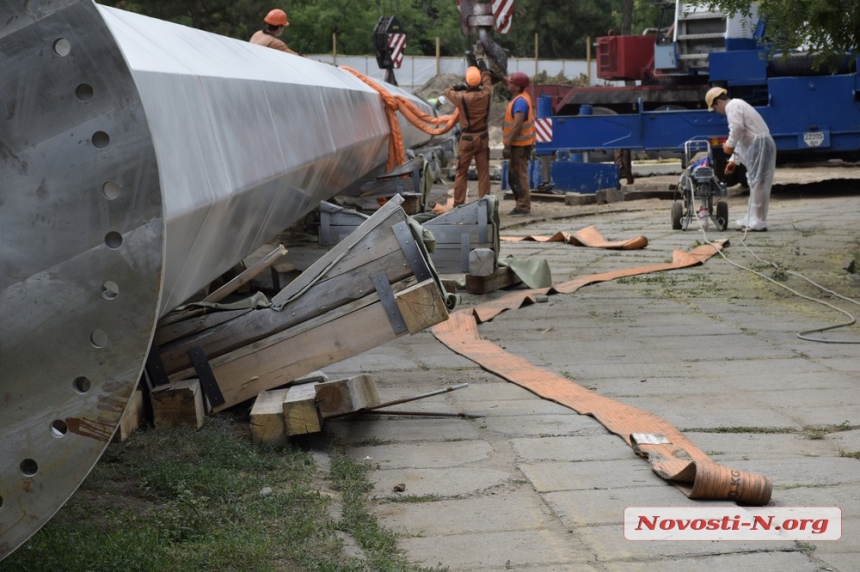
(749, 144)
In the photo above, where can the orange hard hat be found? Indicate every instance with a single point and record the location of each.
(276, 17)
(518, 78)
(473, 76)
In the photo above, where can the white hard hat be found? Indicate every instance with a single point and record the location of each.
(443, 100)
(712, 95)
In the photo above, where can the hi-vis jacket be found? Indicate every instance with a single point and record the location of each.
(527, 133)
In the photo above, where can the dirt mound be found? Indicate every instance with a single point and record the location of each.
(436, 85)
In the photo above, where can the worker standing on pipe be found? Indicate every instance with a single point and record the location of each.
(518, 133)
(276, 21)
(749, 144)
(473, 102)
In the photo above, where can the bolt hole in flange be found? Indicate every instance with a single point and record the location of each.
(59, 428)
(99, 339)
(101, 139)
(111, 190)
(62, 47)
(84, 92)
(113, 240)
(81, 384)
(29, 467)
(110, 290)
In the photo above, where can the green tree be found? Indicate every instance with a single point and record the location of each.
(826, 27)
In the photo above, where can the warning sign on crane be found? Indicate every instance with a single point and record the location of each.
(503, 10)
(389, 40)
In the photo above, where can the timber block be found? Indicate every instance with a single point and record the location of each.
(267, 418)
(606, 196)
(482, 262)
(178, 404)
(345, 396)
(501, 278)
(579, 199)
(132, 418)
(299, 409)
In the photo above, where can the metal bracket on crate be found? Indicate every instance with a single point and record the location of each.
(413, 254)
(389, 302)
(206, 377)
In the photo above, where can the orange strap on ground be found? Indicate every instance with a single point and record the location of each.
(670, 453)
(413, 114)
(588, 236)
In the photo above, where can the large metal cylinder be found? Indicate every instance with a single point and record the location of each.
(138, 161)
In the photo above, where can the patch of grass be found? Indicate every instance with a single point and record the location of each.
(372, 442)
(185, 500)
(850, 454)
(805, 547)
(349, 477)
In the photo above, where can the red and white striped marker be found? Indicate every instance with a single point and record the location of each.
(396, 42)
(543, 129)
(503, 11)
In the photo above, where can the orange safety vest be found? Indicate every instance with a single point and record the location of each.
(527, 133)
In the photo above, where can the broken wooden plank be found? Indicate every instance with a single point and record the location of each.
(341, 276)
(267, 418)
(178, 404)
(322, 341)
(246, 276)
(174, 331)
(300, 413)
(344, 396)
(501, 278)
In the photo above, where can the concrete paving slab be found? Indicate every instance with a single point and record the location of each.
(438, 483)
(497, 511)
(400, 429)
(588, 475)
(497, 550)
(543, 425)
(435, 454)
(606, 447)
(804, 471)
(710, 410)
(608, 540)
(725, 447)
(578, 508)
(794, 561)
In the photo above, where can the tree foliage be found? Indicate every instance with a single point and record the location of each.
(825, 27)
(561, 26)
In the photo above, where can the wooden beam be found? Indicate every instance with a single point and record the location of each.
(132, 418)
(501, 278)
(344, 396)
(174, 331)
(327, 339)
(267, 418)
(300, 412)
(178, 404)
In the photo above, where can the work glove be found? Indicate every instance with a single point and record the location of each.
(730, 168)
(470, 57)
(729, 151)
(461, 87)
(506, 152)
(482, 65)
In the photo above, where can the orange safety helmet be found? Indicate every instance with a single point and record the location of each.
(519, 78)
(473, 76)
(276, 17)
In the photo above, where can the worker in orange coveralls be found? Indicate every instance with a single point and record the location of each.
(518, 132)
(473, 102)
(276, 21)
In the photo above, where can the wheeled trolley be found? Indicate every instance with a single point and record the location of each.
(698, 190)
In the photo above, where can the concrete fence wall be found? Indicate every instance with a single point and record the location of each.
(418, 70)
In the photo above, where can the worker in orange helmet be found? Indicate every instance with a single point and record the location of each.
(276, 21)
(473, 102)
(518, 133)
